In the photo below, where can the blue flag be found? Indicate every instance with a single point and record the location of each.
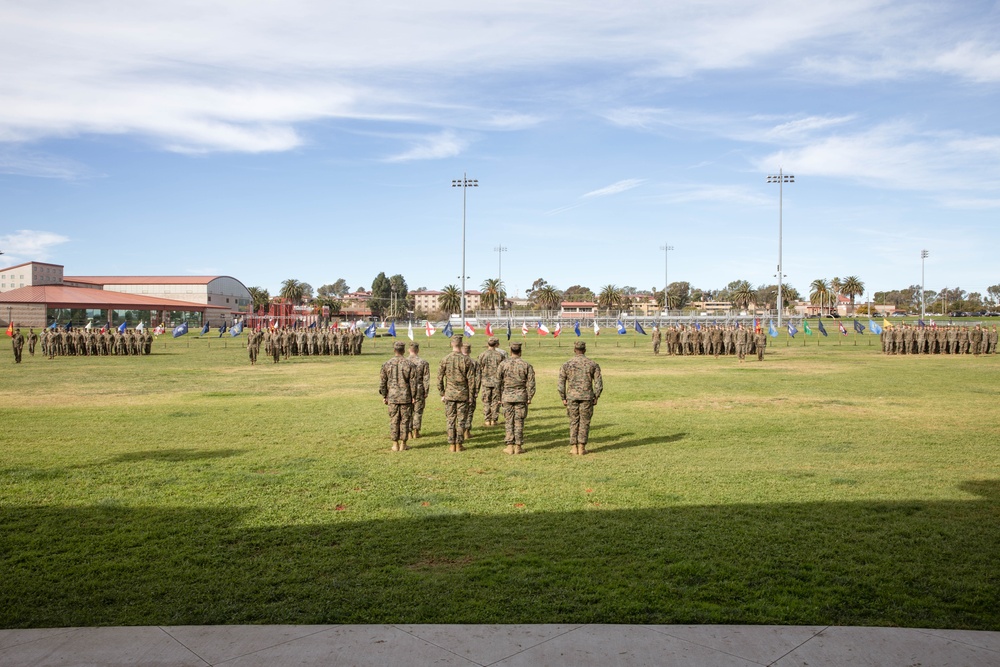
(312, 325)
(576, 328)
(121, 327)
(860, 328)
(370, 331)
(68, 326)
(392, 328)
(771, 331)
(621, 327)
(822, 329)
(638, 328)
(204, 329)
(236, 330)
(875, 328)
(791, 329)
(920, 323)
(508, 328)
(448, 330)
(180, 329)
(53, 325)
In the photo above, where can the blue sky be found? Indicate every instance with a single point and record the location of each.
(318, 140)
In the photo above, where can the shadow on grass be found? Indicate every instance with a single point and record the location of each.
(624, 442)
(911, 563)
(175, 455)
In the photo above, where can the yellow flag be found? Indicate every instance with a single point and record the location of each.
(885, 324)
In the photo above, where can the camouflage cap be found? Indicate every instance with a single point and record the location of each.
(515, 347)
(492, 340)
(580, 345)
(456, 339)
(399, 346)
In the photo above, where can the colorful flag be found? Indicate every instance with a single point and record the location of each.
(771, 331)
(542, 329)
(576, 328)
(920, 323)
(875, 329)
(90, 325)
(180, 329)
(638, 327)
(697, 325)
(469, 331)
(843, 329)
(885, 324)
(621, 327)
(68, 326)
(204, 329)
(122, 327)
(805, 327)
(429, 329)
(860, 328)
(822, 329)
(236, 329)
(370, 331)
(489, 330)
(10, 330)
(409, 330)
(597, 329)
(138, 327)
(524, 328)
(392, 328)
(791, 329)
(756, 326)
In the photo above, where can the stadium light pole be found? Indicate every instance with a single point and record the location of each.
(923, 290)
(666, 265)
(500, 250)
(465, 183)
(780, 178)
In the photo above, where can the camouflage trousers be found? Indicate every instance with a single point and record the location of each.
(760, 354)
(491, 403)
(418, 413)
(656, 347)
(470, 413)
(455, 414)
(741, 351)
(579, 413)
(514, 415)
(400, 420)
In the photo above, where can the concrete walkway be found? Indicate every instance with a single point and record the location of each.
(507, 645)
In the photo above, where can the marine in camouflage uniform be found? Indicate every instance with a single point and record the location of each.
(32, 340)
(657, 336)
(741, 335)
(976, 340)
(18, 343)
(456, 378)
(423, 372)
(760, 342)
(516, 386)
(398, 387)
(489, 361)
(473, 392)
(580, 386)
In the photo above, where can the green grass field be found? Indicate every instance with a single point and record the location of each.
(826, 485)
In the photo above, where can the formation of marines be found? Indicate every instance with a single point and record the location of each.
(506, 383)
(286, 342)
(909, 339)
(713, 340)
(83, 343)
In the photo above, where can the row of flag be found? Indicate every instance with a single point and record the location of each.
(858, 327)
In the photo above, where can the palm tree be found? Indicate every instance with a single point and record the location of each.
(610, 298)
(259, 298)
(493, 293)
(743, 294)
(819, 290)
(451, 299)
(853, 288)
(547, 297)
(292, 290)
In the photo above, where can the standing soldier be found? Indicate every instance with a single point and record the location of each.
(32, 340)
(398, 387)
(516, 386)
(423, 372)
(473, 391)
(976, 340)
(456, 378)
(253, 346)
(760, 341)
(741, 336)
(18, 342)
(580, 386)
(656, 339)
(489, 361)
(993, 340)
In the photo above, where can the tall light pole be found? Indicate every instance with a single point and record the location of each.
(465, 183)
(666, 265)
(923, 290)
(780, 178)
(500, 250)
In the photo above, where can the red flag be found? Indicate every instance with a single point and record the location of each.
(542, 330)
(557, 330)
(489, 330)
(842, 329)
(10, 329)
(524, 328)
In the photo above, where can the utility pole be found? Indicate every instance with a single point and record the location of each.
(465, 183)
(780, 178)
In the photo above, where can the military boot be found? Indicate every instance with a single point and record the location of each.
(416, 433)
(574, 449)
(452, 447)
(518, 449)
(509, 449)
(459, 448)
(583, 450)
(467, 435)
(402, 446)
(395, 445)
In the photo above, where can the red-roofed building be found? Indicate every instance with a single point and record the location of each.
(576, 309)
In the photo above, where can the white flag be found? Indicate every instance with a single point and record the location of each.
(409, 330)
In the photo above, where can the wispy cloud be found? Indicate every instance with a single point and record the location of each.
(39, 165)
(433, 147)
(731, 194)
(29, 244)
(615, 188)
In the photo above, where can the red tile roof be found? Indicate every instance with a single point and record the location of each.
(61, 296)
